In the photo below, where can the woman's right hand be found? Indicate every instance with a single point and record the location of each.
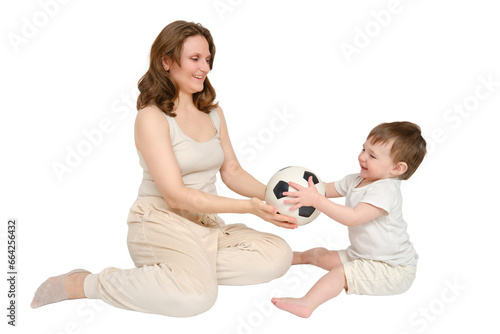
(270, 214)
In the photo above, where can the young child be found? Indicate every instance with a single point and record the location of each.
(381, 259)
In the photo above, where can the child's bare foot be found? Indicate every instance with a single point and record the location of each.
(295, 306)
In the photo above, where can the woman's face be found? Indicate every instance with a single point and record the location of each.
(194, 65)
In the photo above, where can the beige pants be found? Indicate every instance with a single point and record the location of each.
(182, 257)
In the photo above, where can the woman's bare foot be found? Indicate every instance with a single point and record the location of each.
(295, 306)
(59, 288)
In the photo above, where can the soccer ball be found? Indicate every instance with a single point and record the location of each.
(279, 184)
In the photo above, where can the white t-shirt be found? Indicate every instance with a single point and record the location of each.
(385, 238)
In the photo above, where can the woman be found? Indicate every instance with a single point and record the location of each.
(182, 249)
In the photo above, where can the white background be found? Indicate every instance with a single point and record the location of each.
(68, 67)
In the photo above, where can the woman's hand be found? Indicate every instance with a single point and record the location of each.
(270, 214)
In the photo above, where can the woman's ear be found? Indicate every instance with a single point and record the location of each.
(399, 169)
(166, 62)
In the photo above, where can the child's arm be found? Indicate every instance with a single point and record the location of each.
(309, 196)
(360, 214)
(331, 191)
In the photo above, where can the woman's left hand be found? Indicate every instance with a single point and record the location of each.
(270, 214)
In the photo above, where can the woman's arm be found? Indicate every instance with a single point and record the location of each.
(232, 174)
(152, 139)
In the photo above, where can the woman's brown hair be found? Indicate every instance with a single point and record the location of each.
(156, 86)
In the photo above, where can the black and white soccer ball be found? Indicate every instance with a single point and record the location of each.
(279, 184)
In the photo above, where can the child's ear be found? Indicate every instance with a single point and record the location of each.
(399, 169)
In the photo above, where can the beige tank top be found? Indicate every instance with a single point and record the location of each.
(198, 162)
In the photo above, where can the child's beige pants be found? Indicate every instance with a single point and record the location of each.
(181, 257)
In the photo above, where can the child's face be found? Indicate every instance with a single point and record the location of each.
(376, 162)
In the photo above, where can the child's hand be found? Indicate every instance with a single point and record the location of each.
(304, 196)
